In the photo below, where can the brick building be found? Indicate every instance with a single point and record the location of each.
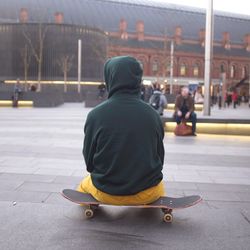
(146, 29)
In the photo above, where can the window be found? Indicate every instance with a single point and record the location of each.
(232, 71)
(222, 68)
(141, 63)
(155, 67)
(196, 70)
(183, 69)
(244, 72)
(168, 68)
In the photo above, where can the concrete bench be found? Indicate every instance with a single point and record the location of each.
(21, 103)
(214, 126)
(170, 107)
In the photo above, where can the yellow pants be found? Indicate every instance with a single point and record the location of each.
(144, 197)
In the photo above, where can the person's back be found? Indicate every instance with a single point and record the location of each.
(123, 146)
(158, 101)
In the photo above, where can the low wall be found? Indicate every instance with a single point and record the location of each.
(93, 99)
(40, 99)
(214, 126)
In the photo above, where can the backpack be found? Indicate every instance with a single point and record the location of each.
(155, 101)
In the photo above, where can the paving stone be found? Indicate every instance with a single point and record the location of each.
(174, 192)
(223, 187)
(56, 198)
(68, 180)
(59, 166)
(17, 196)
(229, 206)
(9, 185)
(222, 174)
(238, 181)
(216, 196)
(14, 177)
(120, 228)
(245, 197)
(80, 173)
(44, 187)
(27, 177)
(193, 179)
(47, 171)
(20, 170)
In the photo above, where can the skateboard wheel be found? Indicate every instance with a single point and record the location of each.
(168, 218)
(89, 213)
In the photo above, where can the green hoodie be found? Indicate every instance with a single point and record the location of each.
(123, 145)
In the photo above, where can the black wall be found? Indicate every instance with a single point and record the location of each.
(60, 40)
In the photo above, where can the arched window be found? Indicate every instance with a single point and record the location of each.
(141, 63)
(232, 71)
(196, 70)
(222, 68)
(244, 72)
(183, 69)
(155, 66)
(168, 68)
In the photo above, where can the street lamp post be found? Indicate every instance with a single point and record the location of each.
(208, 57)
(79, 64)
(171, 66)
(249, 86)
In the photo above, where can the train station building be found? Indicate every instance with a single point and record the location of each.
(167, 39)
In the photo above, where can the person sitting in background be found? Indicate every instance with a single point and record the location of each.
(184, 109)
(102, 89)
(158, 101)
(198, 97)
(123, 145)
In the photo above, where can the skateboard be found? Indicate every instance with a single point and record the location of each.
(166, 204)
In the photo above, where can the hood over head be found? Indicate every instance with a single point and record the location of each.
(123, 74)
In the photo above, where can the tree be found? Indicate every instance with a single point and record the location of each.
(98, 51)
(37, 47)
(65, 62)
(26, 58)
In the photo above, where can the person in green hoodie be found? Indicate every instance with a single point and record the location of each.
(123, 145)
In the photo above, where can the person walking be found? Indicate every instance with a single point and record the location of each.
(234, 98)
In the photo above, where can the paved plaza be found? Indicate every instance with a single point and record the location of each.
(40, 154)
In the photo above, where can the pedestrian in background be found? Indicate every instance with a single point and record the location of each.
(235, 99)
(16, 94)
(158, 101)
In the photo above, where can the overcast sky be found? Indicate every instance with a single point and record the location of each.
(234, 6)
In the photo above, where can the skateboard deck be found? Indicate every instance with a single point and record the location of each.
(166, 204)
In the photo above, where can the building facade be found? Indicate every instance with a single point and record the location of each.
(147, 30)
(28, 49)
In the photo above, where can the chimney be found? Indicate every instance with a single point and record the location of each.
(178, 35)
(123, 29)
(59, 18)
(23, 15)
(140, 30)
(202, 34)
(247, 42)
(226, 40)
